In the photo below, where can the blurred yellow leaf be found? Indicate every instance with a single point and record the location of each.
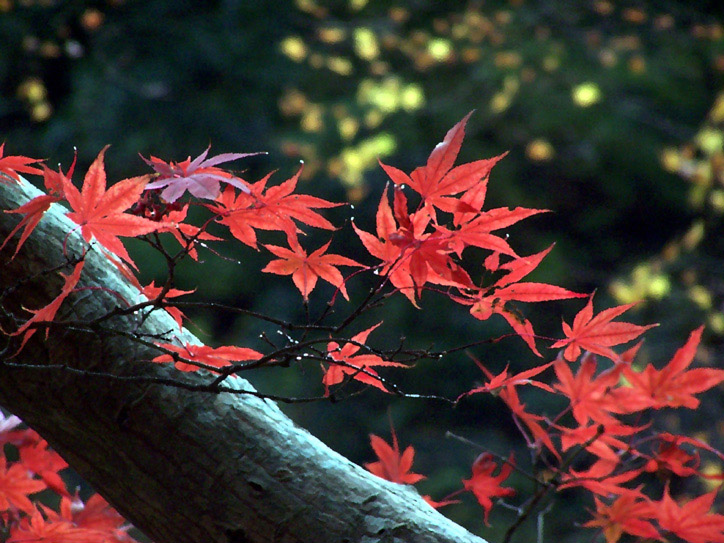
(294, 48)
(586, 94)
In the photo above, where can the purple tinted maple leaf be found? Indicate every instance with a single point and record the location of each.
(199, 176)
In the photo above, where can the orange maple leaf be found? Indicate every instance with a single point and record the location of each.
(96, 515)
(598, 334)
(100, 212)
(306, 269)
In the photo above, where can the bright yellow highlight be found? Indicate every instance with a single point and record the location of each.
(643, 283)
(312, 119)
(710, 141)
(700, 296)
(412, 97)
(390, 95)
(715, 323)
(294, 48)
(332, 34)
(32, 90)
(365, 44)
(357, 5)
(671, 159)
(340, 65)
(356, 160)
(440, 49)
(586, 94)
(539, 150)
(348, 127)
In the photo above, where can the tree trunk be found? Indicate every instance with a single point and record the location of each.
(182, 466)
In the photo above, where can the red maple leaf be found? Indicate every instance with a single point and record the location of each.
(671, 458)
(601, 440)
(626, 514)
(691, 521)
(673, 385)
(493, 299)
(437, 505)
(186, 234)
(392, 465)
(151, 292)
(484, 485)
(16, 484)
(438, 182)
(306, 269)
(199, 176)
(275, 208)
(498, 382)
(36, 208)
(195, 357)
(52, 530)
(590, 395)
(11, 165)
(95, 515)
(509, 395)
(345, 362)
(100, 212)
(504, 386)
(598, 334)
(411, 255)
(45, 463)
(47, 313)
(602, 479)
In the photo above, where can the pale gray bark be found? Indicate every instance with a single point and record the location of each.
(182, 466)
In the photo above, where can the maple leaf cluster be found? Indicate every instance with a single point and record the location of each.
(424, 247)
(38, 470)
(605, 442)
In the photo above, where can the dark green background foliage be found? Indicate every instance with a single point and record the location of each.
(585, 96)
